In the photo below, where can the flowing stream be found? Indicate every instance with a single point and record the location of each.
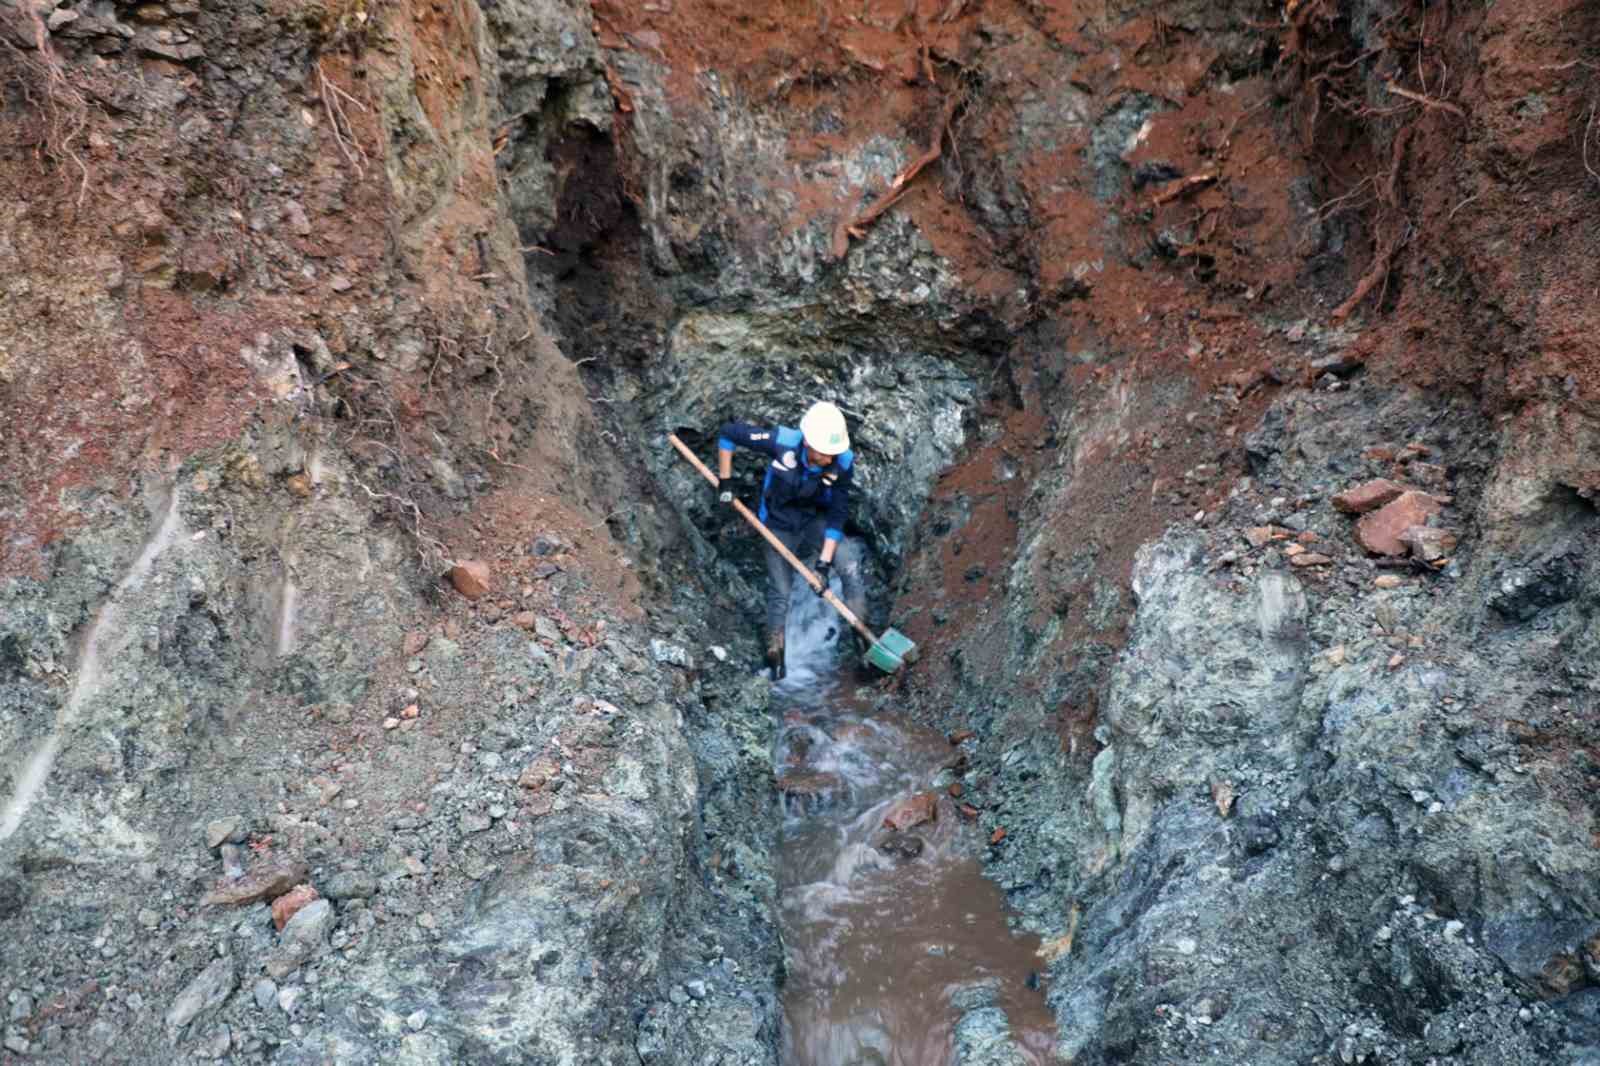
(889, 936)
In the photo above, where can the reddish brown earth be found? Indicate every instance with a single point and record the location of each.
(1457, 151)
(1496, 196)
(1170, 343)
(144, 266)
(1470, 190)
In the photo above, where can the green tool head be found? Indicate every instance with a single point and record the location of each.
(891, 651)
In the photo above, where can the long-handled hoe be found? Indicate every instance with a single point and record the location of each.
(888, 652)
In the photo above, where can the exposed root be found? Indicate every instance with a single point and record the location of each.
(38, 76)
(1233, 127)
(857, 226)
(1395, 228)
(1192, 183)
(1338, 84)
(1377, 274)
(435, 556)
(1425, 101)
(333, 100)
(1588, 135)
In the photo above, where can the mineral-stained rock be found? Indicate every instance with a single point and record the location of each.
(983, 1038)
(224, 830)
(903, 846)
(471, 578)
(671, 655)
(1428, 543)
(204, 994)
(1380, 531)
(267, 882)
(1309, 559)
(809, 792)
(920, 808)
(538, 773)
(1368, 496)
(304, 936)
(290, 903)
(1522, 590)
(1339, 364)
(1259, 536)
(351, 885)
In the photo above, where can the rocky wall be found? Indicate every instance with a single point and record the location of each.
(270, 788)
(1332, 809)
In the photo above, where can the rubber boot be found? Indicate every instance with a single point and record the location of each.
(775, 654)
(864, 670)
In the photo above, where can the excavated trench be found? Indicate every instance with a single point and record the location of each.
(897, 949)
(1184, 276)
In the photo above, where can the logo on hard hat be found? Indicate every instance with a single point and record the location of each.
(823, 428)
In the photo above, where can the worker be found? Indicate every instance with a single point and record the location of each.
(805, 499)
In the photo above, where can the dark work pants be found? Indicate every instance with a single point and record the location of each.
(806, 545)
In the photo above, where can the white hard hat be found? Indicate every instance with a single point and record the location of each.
(824, 430)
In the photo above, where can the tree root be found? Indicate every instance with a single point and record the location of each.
(63, 107)
(1377, 273)
(1388, 194)
(1192, 183)
(344, 134)
(1425, 101)
(857, 227)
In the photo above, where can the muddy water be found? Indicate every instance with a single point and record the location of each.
(881, 947)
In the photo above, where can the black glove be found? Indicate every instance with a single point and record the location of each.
(721, 494)
(823, 568)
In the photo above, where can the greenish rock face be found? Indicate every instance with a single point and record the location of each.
(908, 411)
(1284, 756)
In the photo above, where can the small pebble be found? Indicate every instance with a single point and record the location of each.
(266, 991)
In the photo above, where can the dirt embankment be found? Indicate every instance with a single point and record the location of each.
(1177, 209)
(1124, 188)
(236, 215)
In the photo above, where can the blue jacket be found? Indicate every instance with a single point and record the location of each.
(794, 492)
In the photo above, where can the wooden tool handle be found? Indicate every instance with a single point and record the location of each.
(782, 549)
(694, 460)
